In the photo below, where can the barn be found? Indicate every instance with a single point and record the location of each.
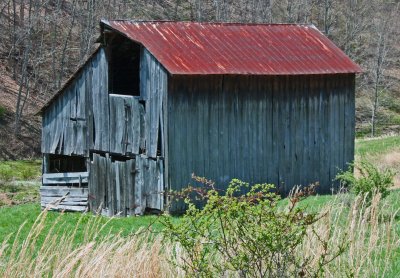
(160, 100)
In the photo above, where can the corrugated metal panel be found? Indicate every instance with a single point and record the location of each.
(232, 48)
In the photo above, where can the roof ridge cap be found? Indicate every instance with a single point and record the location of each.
(107, 21)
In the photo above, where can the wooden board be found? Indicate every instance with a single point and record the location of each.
(60, 191)
(62, 178)
(64, 198)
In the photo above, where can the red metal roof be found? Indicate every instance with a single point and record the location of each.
(233, 48)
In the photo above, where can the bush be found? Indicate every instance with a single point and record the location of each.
(244, 234)
(6, 173)
(28, 173)
(371, 180)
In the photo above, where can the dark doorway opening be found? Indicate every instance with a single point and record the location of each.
(123, 66)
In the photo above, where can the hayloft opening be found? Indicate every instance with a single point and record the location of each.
(66, 164)
(123, 66)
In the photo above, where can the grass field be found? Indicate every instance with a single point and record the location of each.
(21, 170)
(377, 146)
(16, 185)
(12, 216)
(383, 152)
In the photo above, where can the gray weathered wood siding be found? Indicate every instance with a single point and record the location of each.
(78, 120)
(153, 89)
(125, 187)
(111, 186)
(86, 120)
(99, 102)
(64, 198)
(292, 130)
(126, 125)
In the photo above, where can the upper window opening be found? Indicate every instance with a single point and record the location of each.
(66, 164)
(124, 63)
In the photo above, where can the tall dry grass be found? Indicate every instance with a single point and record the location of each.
(368, 234)
(139, 255)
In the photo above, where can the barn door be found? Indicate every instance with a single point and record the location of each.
(112, 186)
(125, 187)
(149, 184)
(121, 189)
(126, 115)
(98, 179)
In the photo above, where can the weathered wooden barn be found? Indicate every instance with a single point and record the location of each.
(158, 101)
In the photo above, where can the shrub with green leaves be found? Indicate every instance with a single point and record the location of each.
(371, 180)
(6, 173)
(246, 235)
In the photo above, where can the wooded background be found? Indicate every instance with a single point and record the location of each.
(43, 42)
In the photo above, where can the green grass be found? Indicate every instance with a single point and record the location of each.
(21, 170)
(377, 146)
(11, 219)
(18, 194)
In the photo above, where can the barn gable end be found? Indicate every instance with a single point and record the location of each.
(103, 143)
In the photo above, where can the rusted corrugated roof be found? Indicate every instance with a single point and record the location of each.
(233, 48)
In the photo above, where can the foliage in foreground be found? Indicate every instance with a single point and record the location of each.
(247, 234)
(371, 234)
(371, 180)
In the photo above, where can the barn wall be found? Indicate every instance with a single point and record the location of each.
(281, 130)
(153, 89)
(78, 119)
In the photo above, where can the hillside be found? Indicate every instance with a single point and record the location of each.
(26, 143)
(44, 41)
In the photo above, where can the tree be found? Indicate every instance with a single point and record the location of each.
(382, 31)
